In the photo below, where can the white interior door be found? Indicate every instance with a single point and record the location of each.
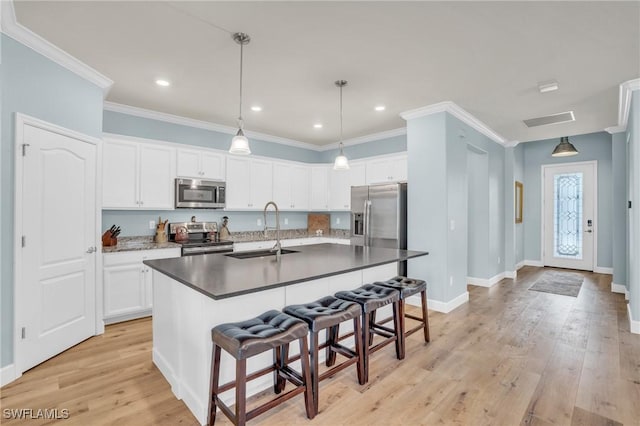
(55, 287)
(569, 215)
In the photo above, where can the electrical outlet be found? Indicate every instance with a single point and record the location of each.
(453, 225)
(259, 222)
(152, 224)
(286, 220)
(498, 259)
(337, 221)
(451, 281)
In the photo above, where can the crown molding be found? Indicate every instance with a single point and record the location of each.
(200, 124)
(460, 114)
(12, 28)
(624, 104)
(367, 138)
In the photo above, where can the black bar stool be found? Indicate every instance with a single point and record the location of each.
(325, 314)
(408, 287)
(242, 340)
(372, 297)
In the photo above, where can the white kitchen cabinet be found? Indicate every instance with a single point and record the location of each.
(291, 186)
(388, 169)
(340, 183)
(128, 283)
(249, 183)
(319, 188)
(200, 164)
(137, 175)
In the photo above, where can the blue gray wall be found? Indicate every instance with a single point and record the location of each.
(368, 149)
(619, 208)
(478, 212)
(593, 146)
(633, 194)
(518, 175)
(33, 85)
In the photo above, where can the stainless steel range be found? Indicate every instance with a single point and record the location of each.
(198, 238)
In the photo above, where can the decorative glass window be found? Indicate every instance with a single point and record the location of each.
(567, 215)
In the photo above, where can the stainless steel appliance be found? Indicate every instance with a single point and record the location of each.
(198, 238)
(200, 194)
(379, 216)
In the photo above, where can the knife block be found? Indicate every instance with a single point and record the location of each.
(161, 236)
(108, 240)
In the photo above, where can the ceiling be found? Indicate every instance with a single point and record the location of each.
(487, 57)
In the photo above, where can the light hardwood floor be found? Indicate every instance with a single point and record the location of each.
(510, 356)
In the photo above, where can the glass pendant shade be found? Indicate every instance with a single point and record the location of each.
(341, 162)
(240, 144)
(564, 148)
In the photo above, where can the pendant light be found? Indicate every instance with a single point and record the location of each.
(341, 162)
(240, 143)
(564, 148)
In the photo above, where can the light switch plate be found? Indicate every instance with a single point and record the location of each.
(152, 224)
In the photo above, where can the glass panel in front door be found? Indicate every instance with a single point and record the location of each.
(567, 215)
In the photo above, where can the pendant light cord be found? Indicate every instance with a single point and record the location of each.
(240, 112)
(341, 120)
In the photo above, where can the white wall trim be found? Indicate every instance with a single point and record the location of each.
(12, 28)
(460, 114)
(511, 274)
(634, 325)
(624, 105)
(618, 288)
(521, 264)
(603, 270)
(536, 263)
(438, 306)
(8, 374)
(486, 282)
(626, 294)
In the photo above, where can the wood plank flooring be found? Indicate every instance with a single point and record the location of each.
(509, 357)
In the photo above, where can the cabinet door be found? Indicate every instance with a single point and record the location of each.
(119, 175)
(188, 164)
(378, 171)
(398, 169)
(357, 175)
(300, 199)
(124, 289)
(261, 183)
(212, 165)
(238, 183)
(282, 181)
(157, 174)
(319, 188)
(339, 190)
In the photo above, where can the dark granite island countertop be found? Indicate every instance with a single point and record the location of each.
(219, 276)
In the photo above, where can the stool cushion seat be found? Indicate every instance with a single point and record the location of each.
(325, 312)
(256, 335)
(406, 286)
(370, 296)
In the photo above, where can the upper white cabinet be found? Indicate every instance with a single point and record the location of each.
(291, 186)
(137, 175)
(249, 183)
(340, 183)
(319, 188)
(200, 164)
(389, 169)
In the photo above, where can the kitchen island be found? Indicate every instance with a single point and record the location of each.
(193, 294)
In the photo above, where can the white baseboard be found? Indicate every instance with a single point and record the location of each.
(511, 274)
(520, 264)
(438, 306)
(603, 270)
(618, 288)
(634, 325)
(8, 374)
(537, 263)
(486, 282)
(626, 294)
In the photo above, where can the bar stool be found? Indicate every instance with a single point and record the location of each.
(242, 340)
(371, 297)
(408, 287)
(324, 314)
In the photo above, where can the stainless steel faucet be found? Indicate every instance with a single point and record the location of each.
(277, 247)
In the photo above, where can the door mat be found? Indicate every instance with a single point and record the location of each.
(563, 283)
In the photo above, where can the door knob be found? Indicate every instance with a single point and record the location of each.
(91, 249)
(589, 231)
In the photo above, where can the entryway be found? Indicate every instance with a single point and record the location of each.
(569, 215)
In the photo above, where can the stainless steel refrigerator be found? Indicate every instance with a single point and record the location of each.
(379, 217)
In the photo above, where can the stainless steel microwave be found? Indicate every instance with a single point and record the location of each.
(200, 194)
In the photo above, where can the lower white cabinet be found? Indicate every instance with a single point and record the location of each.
(128, 283)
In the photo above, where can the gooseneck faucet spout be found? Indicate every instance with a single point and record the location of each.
(277, 247)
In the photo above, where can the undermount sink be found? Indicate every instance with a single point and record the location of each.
(259, 253)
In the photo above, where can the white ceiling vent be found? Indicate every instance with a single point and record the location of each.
(561, 117)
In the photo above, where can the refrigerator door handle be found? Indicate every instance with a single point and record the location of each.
(367, 222)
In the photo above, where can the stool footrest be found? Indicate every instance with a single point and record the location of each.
(344, 351)
(413, 317)
(274, 402)
(291, 375)
(254, 375)
(382, 331)
(333, 370)
(382, 344)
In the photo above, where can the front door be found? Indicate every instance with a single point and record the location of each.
(57, 202)
(569, 221)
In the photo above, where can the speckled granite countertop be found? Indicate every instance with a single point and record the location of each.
(145, 242)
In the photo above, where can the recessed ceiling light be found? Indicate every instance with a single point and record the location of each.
(380, 108)
(256, 108)
(548, 86)
(317, 126)
(163, 83)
